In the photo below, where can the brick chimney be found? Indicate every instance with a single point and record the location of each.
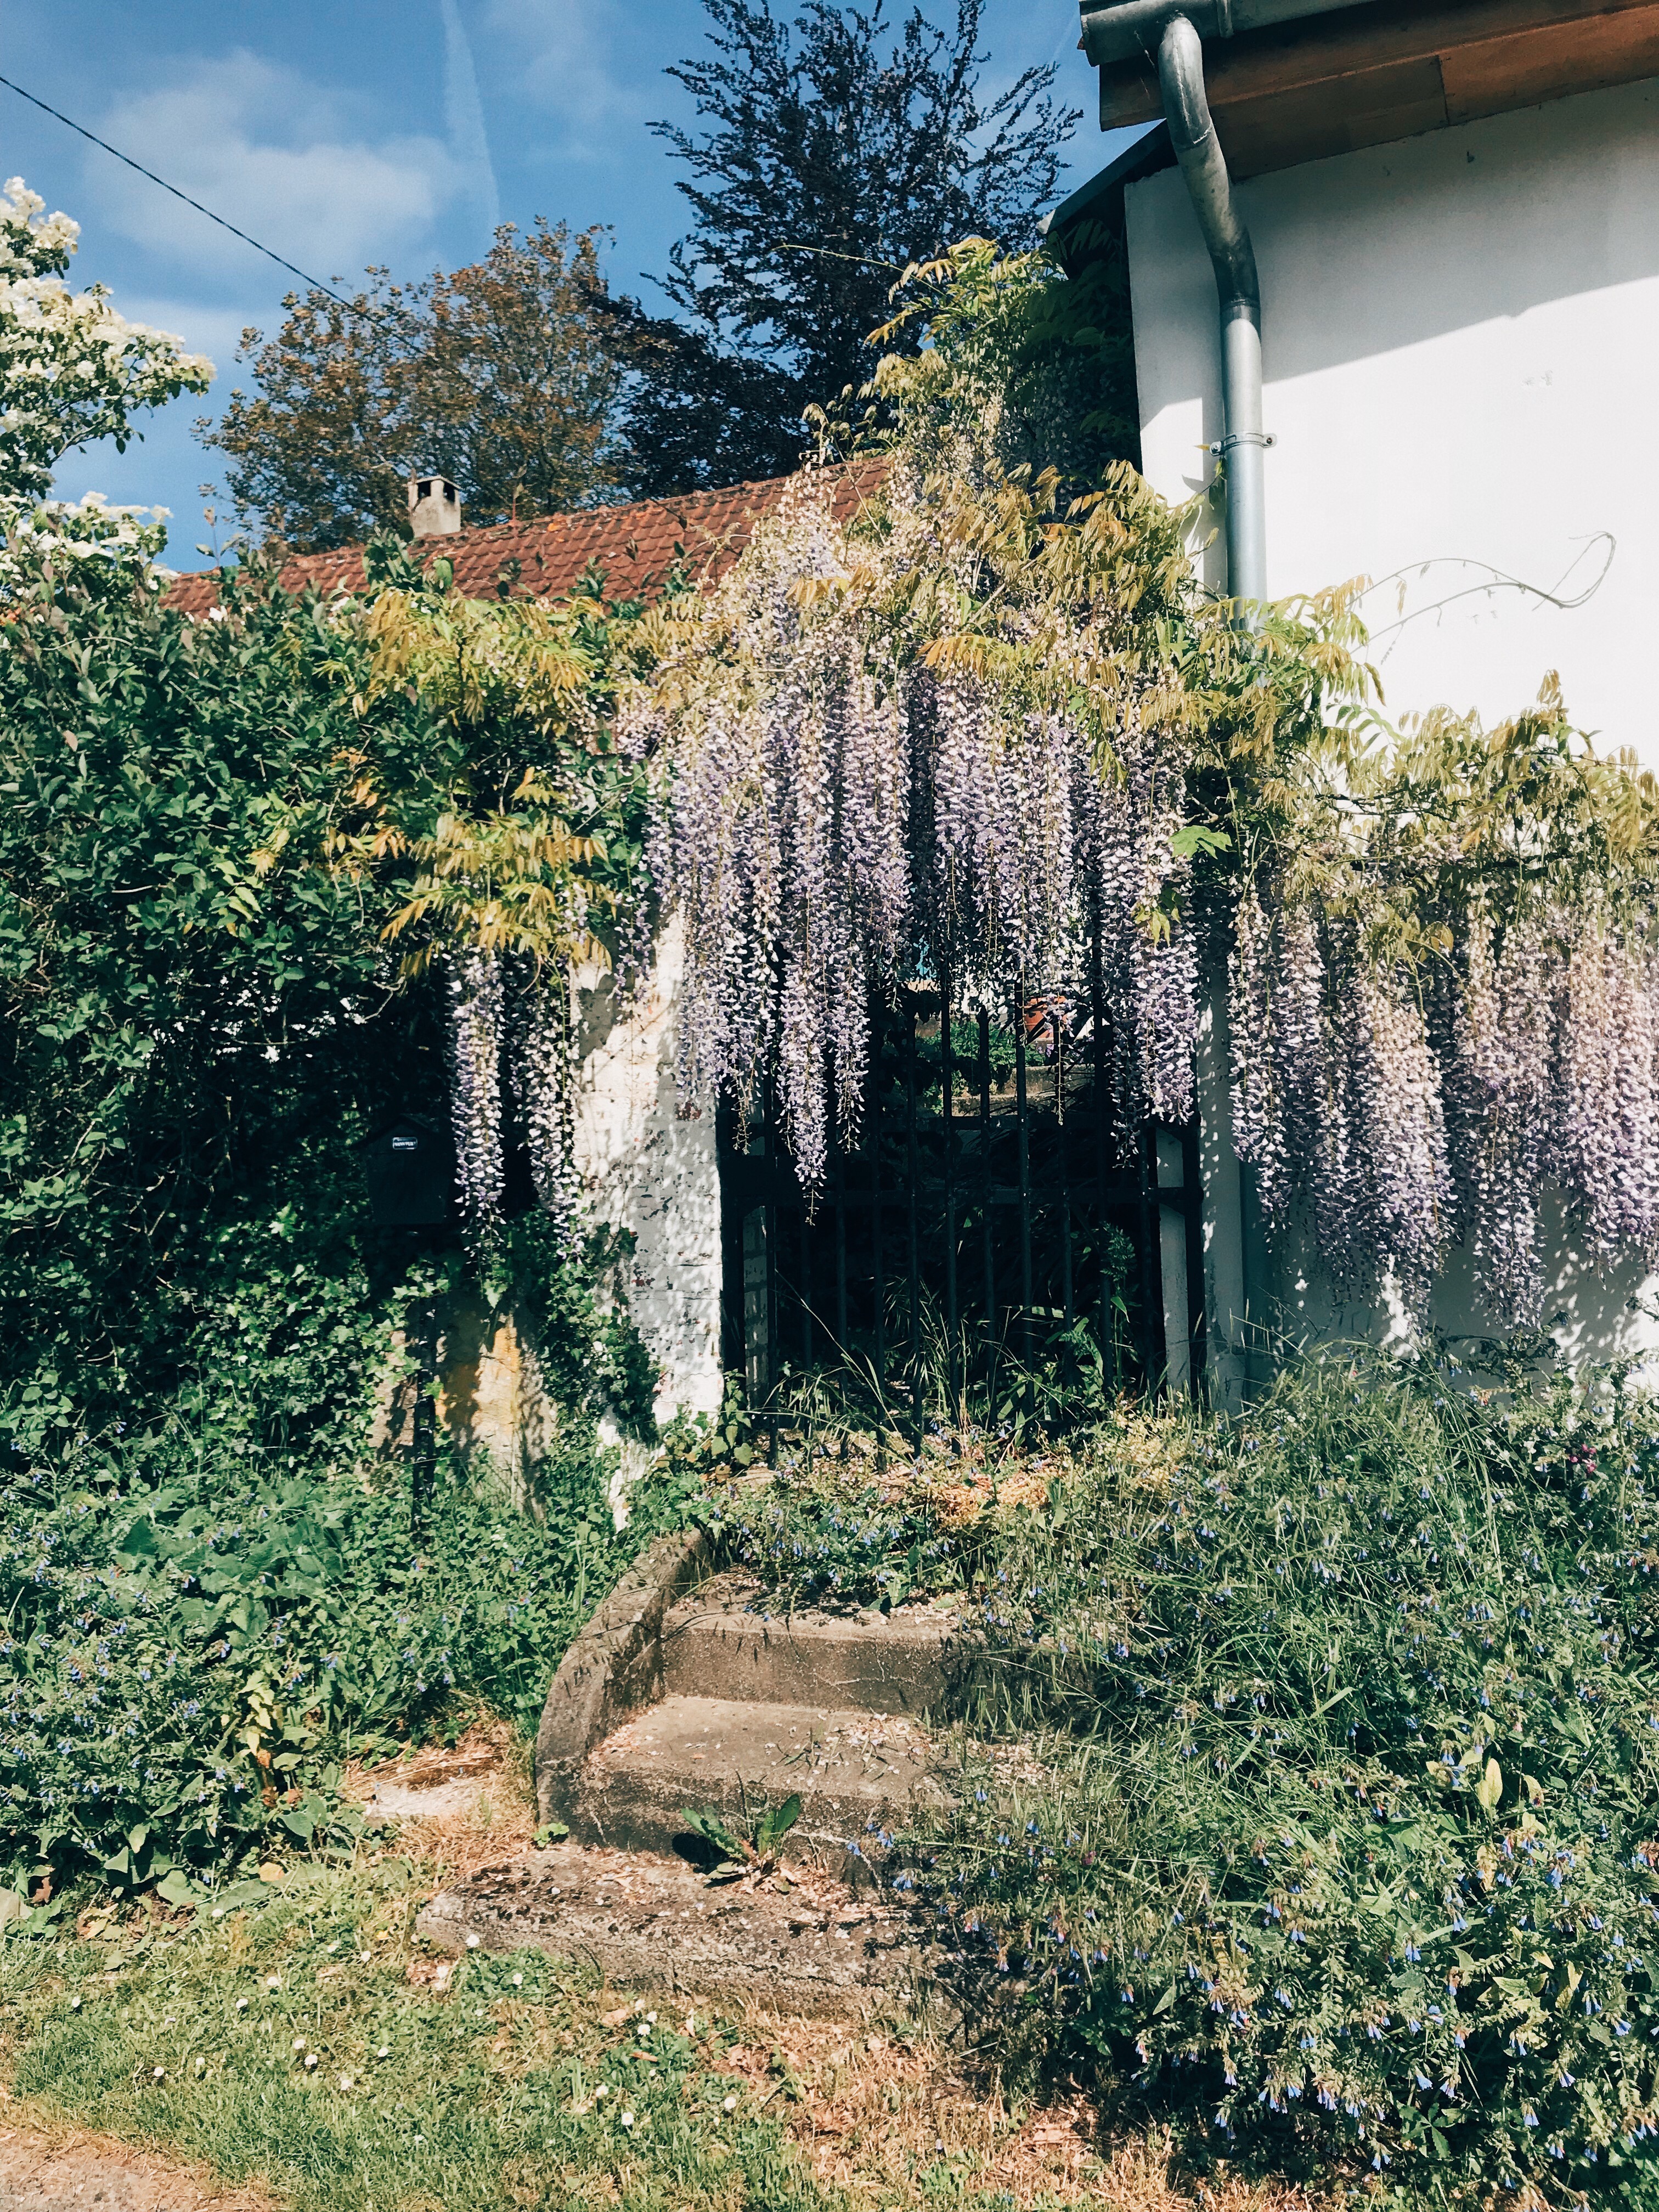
(435, 506)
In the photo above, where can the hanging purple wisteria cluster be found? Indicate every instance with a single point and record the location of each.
(1402, 1109)
(510, 1058)
(837, 818)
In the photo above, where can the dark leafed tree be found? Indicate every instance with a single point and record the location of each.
(498, 373)
(830, 153)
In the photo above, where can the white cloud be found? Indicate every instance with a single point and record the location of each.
(275, 155)
(463, 113)
(587, 66)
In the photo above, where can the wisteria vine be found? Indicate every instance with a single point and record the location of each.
(1399, 1106)
(958, 737)
(510, 1053)
(839, 815)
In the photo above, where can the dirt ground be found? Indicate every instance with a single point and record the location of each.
(856, 2101)
(44, 2168)
(864, 2106)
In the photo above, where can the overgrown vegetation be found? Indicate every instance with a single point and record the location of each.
(1337, 1843)
(1336, 1838)
(213, 834)
(227, 856)
(200, 1633)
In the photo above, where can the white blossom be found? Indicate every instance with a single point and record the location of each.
(72, 370)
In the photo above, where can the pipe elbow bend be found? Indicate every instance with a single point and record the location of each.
(1198, 149)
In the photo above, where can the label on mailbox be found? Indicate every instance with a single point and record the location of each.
(405, 1144)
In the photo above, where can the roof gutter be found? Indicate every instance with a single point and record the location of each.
(1192, 135)
(1119, 32)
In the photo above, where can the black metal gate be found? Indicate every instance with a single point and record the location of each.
(997, 1218)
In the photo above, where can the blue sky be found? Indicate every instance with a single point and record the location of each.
(385, 131)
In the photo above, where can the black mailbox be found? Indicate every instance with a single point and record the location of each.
(411, 1174)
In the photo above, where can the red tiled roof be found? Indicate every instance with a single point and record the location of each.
(634, 545)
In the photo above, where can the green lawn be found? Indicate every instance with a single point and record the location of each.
(308, 2043)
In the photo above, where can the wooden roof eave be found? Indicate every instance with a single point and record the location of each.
(1383, 70)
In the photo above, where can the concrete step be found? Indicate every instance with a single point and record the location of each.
(720, 1644)
(851, 1769)
(649, 1922)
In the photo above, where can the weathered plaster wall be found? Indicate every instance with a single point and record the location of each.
(1457, 332)
(645, 1169)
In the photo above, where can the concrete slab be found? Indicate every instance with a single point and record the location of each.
(853, 1771)
(722, 1643)
(655, 1923)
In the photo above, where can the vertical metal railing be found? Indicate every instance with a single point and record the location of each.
(872, 1125)
(1037, 1172)
(984, 1177)
(913, 1227)
(947, 1103)
(1022, 1112)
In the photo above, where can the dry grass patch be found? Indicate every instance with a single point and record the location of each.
(47, 2163)
(455, 1808)
(880, 2113)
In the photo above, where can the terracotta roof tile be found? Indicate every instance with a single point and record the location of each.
(634, 545)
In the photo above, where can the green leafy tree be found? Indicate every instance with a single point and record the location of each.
(497, 373)
(822, 168)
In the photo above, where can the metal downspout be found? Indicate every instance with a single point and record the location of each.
(1192, 134)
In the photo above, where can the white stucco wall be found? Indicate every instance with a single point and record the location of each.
(644, 1169)
(1458, 337)
(1459, 334)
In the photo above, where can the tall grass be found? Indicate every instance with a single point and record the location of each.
(1343, 1846)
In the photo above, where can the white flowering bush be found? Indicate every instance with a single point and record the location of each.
(72, 370)
(105, 548)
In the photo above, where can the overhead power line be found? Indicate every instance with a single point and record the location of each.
(58, 116)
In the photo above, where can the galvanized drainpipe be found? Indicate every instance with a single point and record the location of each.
(1192, 134)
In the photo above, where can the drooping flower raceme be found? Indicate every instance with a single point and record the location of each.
(839, 815)
(542, 1073)
(1404, 1109)
(476, 1004)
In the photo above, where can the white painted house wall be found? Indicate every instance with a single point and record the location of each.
(1459, 340)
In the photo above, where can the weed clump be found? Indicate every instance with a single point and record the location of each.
(1343, 1849)
(195, 1643)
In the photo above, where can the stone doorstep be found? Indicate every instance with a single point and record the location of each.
(851, 1769)
(717, 1643)
(655, 1923)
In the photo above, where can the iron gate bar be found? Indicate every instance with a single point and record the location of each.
(806, 1234)
(947, 1066)
(874, 1142)
(1023, 1121)
(841, 1254)
(985, 1172)
(1151, 1271)
(1059, 1026)
(765, 1205)
(1196, 1342)
(772, 1301)
(758, 1183)
(915, 1252)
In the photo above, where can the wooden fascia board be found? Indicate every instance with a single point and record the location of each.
(1374, 74)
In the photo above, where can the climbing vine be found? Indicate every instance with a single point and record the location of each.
(983, 730)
